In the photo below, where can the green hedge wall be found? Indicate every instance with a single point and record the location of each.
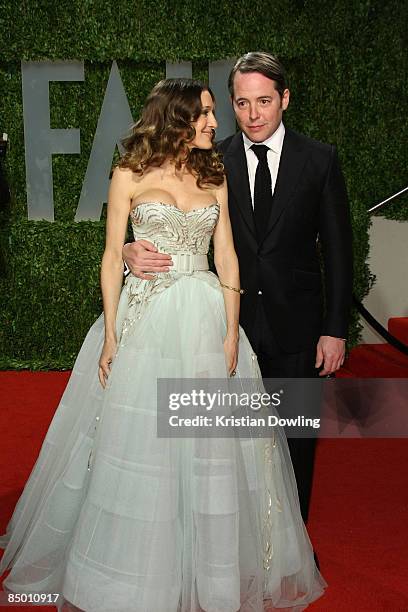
(347, 66)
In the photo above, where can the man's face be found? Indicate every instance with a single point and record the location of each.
(257, 104)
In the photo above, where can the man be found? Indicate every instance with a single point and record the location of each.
(285, 191)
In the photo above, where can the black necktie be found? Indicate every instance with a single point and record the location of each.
(262, 190)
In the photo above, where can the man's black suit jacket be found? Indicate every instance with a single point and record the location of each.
(309, 202)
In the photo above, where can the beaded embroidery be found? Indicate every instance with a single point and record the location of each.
(170, 230)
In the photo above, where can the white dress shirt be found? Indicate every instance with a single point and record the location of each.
(275, 143)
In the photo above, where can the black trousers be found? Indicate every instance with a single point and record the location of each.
(275, 363)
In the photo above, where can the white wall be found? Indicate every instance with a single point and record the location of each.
(388, 260)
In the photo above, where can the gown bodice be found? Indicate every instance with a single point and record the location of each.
(172, 230)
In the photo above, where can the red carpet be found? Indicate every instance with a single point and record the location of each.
(359, 506)
(375, 361)
(398, 327)
(379, 360)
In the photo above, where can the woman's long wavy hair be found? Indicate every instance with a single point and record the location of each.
(165, 129)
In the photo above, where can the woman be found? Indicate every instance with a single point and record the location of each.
(114, 517)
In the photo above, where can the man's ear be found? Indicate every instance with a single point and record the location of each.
(285, 99)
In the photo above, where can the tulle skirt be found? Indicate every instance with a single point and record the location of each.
(116, 519)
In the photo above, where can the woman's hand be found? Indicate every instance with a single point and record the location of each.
(105, 360)
(231, 352)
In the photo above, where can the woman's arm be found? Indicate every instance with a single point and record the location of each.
(119, 202)
(226, 263)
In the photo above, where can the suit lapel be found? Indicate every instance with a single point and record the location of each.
(237, 174)
(292, 161)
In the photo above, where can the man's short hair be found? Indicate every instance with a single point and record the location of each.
(262, 62)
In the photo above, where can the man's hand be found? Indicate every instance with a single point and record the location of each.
(330, 352)
(142, 256)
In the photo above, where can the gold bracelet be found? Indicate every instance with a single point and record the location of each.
(241, 291)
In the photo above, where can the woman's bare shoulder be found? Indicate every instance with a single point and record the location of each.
(124, 178)
(221, 192)
(122, 174)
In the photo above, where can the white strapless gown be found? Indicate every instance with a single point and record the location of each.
(118, 520)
